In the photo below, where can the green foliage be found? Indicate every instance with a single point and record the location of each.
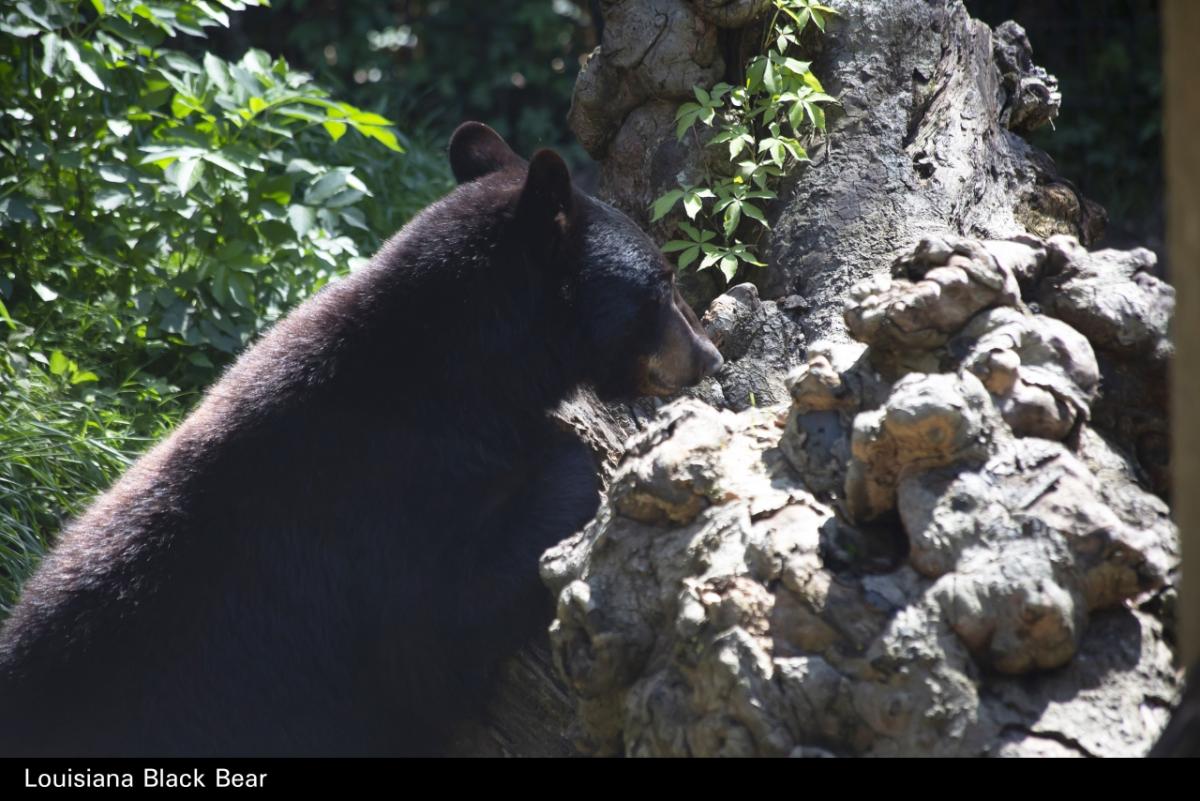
(511, 64)
(763, 126)
(158, 209)
(61, 446)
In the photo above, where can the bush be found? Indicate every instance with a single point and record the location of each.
(511, 64)
(157, 211)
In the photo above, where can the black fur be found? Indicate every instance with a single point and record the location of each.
(330, 554)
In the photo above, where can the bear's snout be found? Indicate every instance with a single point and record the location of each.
(711, 359)
(685, 355)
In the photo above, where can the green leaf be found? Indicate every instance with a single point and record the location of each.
(245, 79)
(345, 197)
(380, 134)
(120, 128)
(770, 78)
(82, 67)
(733, 216)
(686, 109)
(302, 219)
(743, 253)
(41, 21)
(18, 30)
(355, 219)
(51, 47)
(364, 117)
(181, 62)
(8, 320)
(336, 129)
(214, 14)
(59, 362)
(217, 72)
(688, 256)
(755, 71)
(685, 118)
(738, 144)
(299, 112)
(818, 118)
(15, 208)
(224, 163)
(162, 155)
(782, 7)
(241, 290)
(84, 377)
(185, 173)
(183, 105)
(44, 292)
(677, 244)
(327, 186)
(110, 199)
(796, 115)
(794, 66)
(664, 204)
(754, 213)
(729, 266)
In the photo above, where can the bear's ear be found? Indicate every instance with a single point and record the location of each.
(476, 150)
(547, 195)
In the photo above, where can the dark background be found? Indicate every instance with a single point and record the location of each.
(1107, 55)
(429, 64)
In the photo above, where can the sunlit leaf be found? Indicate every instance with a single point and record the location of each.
(185, 173)
(44, 292)
(380, 134)
(59, 363)
(302, 219)
(729, 267)
(335, 129)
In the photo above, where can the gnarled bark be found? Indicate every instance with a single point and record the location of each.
(926, 477)
(749, 589)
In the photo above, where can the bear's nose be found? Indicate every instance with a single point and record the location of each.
(711, 360)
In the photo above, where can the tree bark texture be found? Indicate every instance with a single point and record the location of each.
(921, 509)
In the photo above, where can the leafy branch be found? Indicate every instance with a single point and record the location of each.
(764, 125)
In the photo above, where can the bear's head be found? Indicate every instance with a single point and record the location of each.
(636, 335)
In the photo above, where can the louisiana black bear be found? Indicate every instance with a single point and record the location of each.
(330, 553)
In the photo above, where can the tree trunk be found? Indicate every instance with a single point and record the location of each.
(950, 494)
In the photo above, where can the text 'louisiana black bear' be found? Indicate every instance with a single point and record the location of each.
(331, 552)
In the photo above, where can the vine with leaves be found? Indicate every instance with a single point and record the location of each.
(764, 124)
